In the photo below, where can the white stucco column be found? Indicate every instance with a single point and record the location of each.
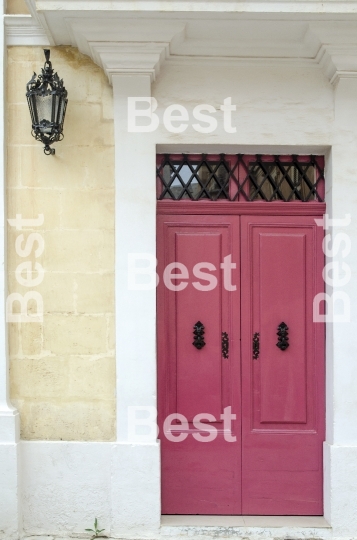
(136, 488)
(9, 422)
(341, 439)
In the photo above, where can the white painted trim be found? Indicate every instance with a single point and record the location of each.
(8, 427)
(23, 30)
(242, 520)
(242, 149)
(249, 6)
(230, 61)
(40, 19)
(130, 59)
(152, 40)
(135, 358)
(138, 489)
(341, 74)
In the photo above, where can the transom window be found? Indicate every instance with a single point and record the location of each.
(240, 177)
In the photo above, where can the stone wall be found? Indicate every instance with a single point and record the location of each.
(16, 7)
(63, 370)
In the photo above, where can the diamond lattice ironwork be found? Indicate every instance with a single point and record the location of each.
(187, 177)
(241, 177)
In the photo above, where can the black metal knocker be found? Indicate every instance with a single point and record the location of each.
(198, 335)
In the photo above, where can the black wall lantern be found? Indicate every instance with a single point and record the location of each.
(47, 100)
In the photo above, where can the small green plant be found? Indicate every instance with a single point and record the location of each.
(96, 532)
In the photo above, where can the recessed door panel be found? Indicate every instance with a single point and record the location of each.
(199, 371)
(283, 386)
(281, 257)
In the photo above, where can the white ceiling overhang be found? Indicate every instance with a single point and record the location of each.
(138, 36)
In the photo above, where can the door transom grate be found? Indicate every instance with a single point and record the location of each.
(240, 177)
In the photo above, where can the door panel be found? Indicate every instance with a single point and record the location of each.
(199, 477)
(282, 390)
(281, 276)
(197, 393)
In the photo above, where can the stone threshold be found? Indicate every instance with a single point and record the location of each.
(246, 527)
(235, 527)
(244, 521)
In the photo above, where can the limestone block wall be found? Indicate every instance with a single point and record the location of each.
(16, 7)
(63, 370)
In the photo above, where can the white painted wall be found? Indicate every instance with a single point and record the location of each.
(65, 485)
(277, 105)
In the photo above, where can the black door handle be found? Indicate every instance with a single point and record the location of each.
(198, 335)
(283, 336)
(256, 346)
(225, 345)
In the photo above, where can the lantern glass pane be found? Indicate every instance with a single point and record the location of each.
(61, 111)
(32, 106)
(44, 110)
(59, 103)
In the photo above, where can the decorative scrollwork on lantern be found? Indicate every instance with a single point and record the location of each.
(47, 101)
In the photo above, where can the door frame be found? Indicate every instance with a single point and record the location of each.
(241, 208)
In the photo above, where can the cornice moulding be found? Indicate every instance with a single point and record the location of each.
(129, 46)
(217, 61)
(24, 30)
(229, 6)
(120, 29)
(338, 62)
(130, 58)
(140, 42)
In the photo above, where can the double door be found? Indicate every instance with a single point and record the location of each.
(240, 364)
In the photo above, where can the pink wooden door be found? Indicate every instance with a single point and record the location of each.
(275, 465)
(199, 477)
(282, 390)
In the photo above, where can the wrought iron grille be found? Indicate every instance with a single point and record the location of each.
(240, 177)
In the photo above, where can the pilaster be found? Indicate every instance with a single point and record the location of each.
(136, 486)
(9, 418)
(340, 449)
